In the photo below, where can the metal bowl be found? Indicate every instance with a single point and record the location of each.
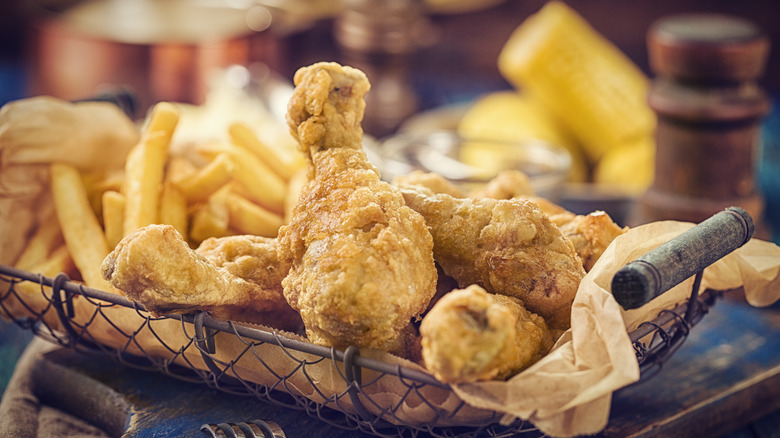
(470, 163)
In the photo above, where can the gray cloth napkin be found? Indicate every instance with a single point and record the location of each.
(22, 414)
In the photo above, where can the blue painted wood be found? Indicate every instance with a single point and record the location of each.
(161, 406)
(768, 169)
(725, 376)
(13, 341)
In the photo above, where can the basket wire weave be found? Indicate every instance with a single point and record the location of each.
(354, 408)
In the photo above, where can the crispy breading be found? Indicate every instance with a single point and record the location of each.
(361, 261)
(431, 180)
(472, 335)
(246, 256)
(510, 183)
(507, 246)
(591, 234)
(156, 268)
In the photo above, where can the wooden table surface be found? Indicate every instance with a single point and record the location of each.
(724, 377)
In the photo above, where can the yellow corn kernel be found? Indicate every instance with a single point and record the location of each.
(597, 91)
(509, 116)
(630, 167)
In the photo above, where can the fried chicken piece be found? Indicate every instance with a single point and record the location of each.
(430, 180)
(472, 335)
(252, 258)
(361, 262)
(507, 246)
(591, 234)
(506, 184)
(255, 259)
(155, 267)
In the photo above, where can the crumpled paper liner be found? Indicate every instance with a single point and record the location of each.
(566, 393)
(37, 131)
(44, 129)
(595, 357)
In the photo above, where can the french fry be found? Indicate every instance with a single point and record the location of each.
(99, 183)
(80, 228)
(58, 261)
(210, 219)
(108, 182)
(173, 207)
(46, 237)
(242, 135)
(207, 180)
(90, 180)
(145, 168)
(113, 216)
(247, 217)
(260, 184)
(209, 150)
(179, 168)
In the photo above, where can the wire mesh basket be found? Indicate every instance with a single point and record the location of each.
(195, 360)
(288, 371)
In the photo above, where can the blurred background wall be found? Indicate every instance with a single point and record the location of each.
(462, 53)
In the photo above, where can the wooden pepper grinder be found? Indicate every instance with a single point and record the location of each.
(709, 110)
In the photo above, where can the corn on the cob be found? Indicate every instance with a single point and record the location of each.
(509, 116)
(629, 167)
(587, 81)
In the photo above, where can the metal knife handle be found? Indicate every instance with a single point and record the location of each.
(668, 265)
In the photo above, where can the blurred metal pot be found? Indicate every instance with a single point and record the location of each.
(162, 49)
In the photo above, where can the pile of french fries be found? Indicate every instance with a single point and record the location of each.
(240, 186)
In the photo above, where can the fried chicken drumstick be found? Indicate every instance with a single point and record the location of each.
(506, 246)
(234, 278)
(591, 234)
(471, 335)
(361, 262)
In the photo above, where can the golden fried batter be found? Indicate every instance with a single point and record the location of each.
(361, 261)
(507, 246)
(156, 268)
(430, 180)
(506, 185)
(472, 335)
(591, 234)
(252, 258)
